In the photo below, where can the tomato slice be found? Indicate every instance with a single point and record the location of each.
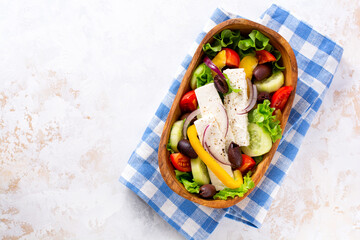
(188, 102)
(180, 162)
(280, 97)
(264, 56)
(247, 164)
(232, 58)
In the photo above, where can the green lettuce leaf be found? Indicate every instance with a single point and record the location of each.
(258, 159)
(276, 66)
(269, 48)
(226, 38)
(256, 40)
(259, 40)
(246, 44)
(211, 51)
(203, 75)
(240, 192)
(168, 147)
(188, 181)
(250, 51)
(231, 89)
(262, 116)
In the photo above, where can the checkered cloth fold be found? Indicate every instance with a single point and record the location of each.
(317, 57)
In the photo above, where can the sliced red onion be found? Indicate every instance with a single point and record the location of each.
(191, 116)
(204, 135)
(252, 98)
(206, 146)
(213, 67)
(214, 156)
(251, 91)
(227, 119)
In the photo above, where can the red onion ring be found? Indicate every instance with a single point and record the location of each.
(207, 148)
(213, 155)
(227, 120)
(252, 98)
(251, 91)
(203, 137)
(213, 67)
(191, 116)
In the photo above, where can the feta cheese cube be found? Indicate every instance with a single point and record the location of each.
(234, 103)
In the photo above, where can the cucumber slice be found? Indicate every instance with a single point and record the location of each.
(176, 134)
(260, 141)
(198, 71)
(272, 83)
(199, 172)
(202, 72)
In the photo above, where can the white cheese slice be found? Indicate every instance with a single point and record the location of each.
(234, 103)
(210, 103)
(216, 144)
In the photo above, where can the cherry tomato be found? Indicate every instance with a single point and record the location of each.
(232, 58)
(180, 162)
(247, 164)
(264, 56)
(280, 97)
(188, 102)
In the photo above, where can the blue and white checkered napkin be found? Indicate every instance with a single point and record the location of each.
(317, 57)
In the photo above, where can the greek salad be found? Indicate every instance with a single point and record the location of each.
(231, 117)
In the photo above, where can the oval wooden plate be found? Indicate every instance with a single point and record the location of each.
(290, 72)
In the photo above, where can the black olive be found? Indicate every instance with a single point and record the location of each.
(207, 191)
(261, 72)
(185, 148)
(221, 84)
(234, 154)
(262, 96)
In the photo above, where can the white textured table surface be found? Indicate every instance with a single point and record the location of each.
(81, 81)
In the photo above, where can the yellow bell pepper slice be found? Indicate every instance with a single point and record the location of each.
(219, 60)
(211, 163)
(249, 63)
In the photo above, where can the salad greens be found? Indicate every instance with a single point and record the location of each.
(186, 178)
(258, 159)
(240, 192)
(263, 116)
(231, 89)
(256, 40)
(202, 75)
(275, 64)
(226, 38)
(168, 147)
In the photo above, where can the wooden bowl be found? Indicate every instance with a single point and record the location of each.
(290, 73)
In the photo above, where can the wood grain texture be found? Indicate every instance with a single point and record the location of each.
(290, 72)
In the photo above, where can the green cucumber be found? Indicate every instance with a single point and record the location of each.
(201, 71)
(199, 172)
(271, 84)
(176, 134)
(260, 141)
